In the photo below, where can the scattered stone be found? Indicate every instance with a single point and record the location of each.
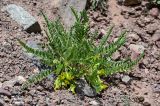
(6, 99)
(148, 20)
(20, 79)
(5, 92)
(116, 55)
(2, 102)
(22, 17)
(1, 85)
(14, 92)
(126, 16)
(152, 28)
(145, 45)
(137, 48)
(131, 2)
(146, 61)
(146, 104)
(95, 15)
(140, 99)
(134, 36)
(102, 33)
(140, 23)
(115, 39)
(16, 80)
(39, 88)
(65, 11)
(36, 70)
(126, 79)
(134, 55)
(32, 92)
(156, 36)
(144, 3)
(19, 103)
(94, 103)
(154, 12)
(92, 24)
(84, 89)
(156, 88)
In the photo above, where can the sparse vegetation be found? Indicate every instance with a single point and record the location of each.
(73, 55)
(99, 5)
(156, 2)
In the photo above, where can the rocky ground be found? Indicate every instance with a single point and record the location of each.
(139, 87)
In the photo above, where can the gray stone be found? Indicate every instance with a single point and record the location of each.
(5, 92)
(126, 79)
(12, 82)
(131, 2)
(94, 103)
(19, 103)
(22, 17)
(156, 88)
(2, 102)
(65, 11)
(84, 89)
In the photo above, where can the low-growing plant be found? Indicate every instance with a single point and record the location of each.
(73, 55)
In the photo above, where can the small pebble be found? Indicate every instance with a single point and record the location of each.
(126, 79)
(19, 103)
(94, 103)
(146, 104)
(134, 36)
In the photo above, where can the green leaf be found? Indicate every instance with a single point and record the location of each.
(105, 38)
(35, 78)
(75, 13)
(72, 88)
(41, 54)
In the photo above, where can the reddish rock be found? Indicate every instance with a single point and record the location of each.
(154, 12)
(136, 48)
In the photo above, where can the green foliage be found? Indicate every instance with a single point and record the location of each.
(73, 55)
(99, 5)
(156, 2)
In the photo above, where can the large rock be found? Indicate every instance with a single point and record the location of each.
(22, 17)
(131, 2)
(65, 11)
(84, 89)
